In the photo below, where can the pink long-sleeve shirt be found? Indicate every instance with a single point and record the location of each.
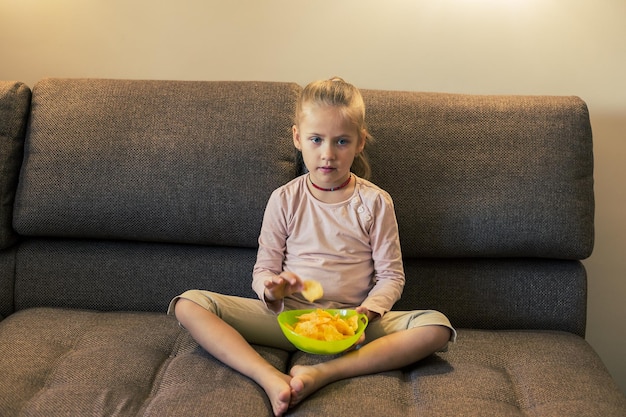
(352, 247)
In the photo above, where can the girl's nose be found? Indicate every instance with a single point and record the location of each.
(328, 152)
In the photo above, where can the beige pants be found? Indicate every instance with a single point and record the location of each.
(258, 325)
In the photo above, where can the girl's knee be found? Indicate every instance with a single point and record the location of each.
(444, 335)
(186, 309)
(438, 336)
(182, 308)
(192, 299)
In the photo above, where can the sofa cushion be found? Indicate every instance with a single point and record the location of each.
(485, 176)
(190, 162)
(14, 106)
(7, 281)
(137, 276)
(510, 293)
(99, 364)
(129, 364)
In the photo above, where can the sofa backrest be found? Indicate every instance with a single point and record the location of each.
(495, 204)
(177, 162)
(131, 192)
(485, 176)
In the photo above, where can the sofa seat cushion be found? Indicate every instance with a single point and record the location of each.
(73, 362)
(78, 363)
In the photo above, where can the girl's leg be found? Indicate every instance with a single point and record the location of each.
(389, 352)
(228, 346)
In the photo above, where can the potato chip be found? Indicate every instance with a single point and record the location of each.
(312, 290)
(321, 325)
(353, 322)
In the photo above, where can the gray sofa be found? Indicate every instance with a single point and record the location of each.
(117, 195)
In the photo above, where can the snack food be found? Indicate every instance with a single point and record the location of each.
(289, 318)
(312, 290)
(321, 325)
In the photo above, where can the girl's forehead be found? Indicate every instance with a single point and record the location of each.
(326, 117)
(324, 112)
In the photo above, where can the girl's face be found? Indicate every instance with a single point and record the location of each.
(329, 141)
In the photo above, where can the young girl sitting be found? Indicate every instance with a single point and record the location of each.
(331, 225)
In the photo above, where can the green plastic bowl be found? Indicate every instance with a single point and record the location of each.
(320, 347)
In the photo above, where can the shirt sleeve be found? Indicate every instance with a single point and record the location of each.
(389, 275)
(272, 244)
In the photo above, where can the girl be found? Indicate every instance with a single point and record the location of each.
(333, 226)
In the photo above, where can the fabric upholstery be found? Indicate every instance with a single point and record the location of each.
(500, 293)
(14, 106)
(161, 161)
(471, 164)
(7, 281)
(67, 359)
(125, 275)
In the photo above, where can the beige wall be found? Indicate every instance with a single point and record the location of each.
(565, 47)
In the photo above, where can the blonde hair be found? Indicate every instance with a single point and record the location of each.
(336, 92)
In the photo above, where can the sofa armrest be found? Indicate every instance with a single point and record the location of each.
(14, 107)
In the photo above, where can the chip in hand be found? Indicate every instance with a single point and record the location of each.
(312, 290)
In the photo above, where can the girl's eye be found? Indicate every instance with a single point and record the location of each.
(342, 141)
(316, 139)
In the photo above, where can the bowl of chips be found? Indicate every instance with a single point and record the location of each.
(322, 331)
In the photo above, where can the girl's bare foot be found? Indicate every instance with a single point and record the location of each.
(305, 380)
(278, 391)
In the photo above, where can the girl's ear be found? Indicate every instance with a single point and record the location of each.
(296, 137)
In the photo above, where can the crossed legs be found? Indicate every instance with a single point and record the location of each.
(383, 354)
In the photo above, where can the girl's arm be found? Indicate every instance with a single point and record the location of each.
(269, 281)
(387, 258)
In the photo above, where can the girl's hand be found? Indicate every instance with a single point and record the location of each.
(281, 286)
(371, 316)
